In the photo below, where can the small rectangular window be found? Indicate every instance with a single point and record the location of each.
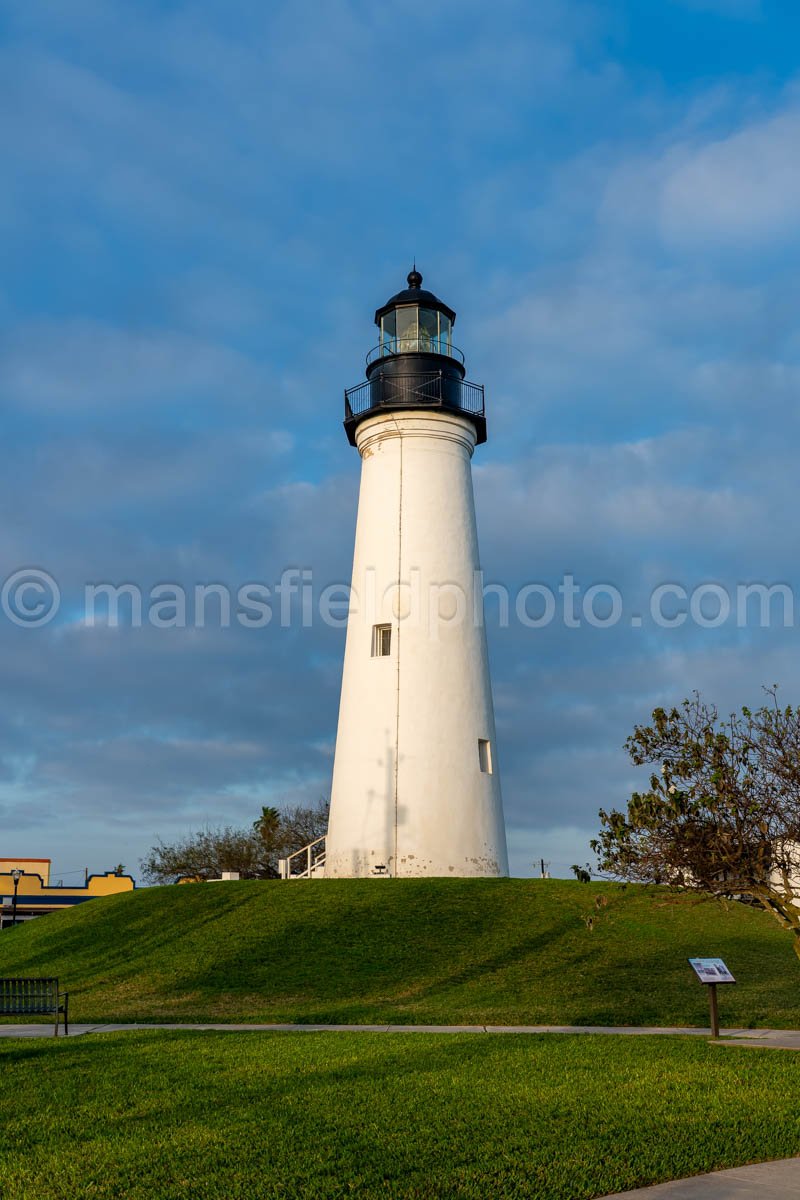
(485, 755)
(381, 641)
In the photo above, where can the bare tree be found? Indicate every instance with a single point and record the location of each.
(302, 825)
(722, 814)
(253, 852)
(205, 855)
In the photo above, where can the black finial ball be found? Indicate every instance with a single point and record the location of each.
(414, 279)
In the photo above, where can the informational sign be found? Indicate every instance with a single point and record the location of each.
(711, 970)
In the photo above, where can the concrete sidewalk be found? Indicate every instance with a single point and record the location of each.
(777, 1038)
(782, 1039)
(764, 1181)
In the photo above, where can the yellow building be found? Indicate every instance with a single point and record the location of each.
(35, 896)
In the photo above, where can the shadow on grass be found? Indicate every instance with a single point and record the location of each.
(406, 951)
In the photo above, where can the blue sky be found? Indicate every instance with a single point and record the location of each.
(203, 205)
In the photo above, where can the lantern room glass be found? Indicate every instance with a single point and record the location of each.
(389, 333)
(429, 330)
(409, 329)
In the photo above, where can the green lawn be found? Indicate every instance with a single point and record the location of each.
(208, 1116)
(409, 951)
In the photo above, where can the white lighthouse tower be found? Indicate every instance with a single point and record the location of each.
(416, 789)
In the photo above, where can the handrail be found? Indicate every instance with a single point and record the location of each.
(312, 860)
(414, 345)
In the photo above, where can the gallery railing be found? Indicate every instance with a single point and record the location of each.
(430, 390)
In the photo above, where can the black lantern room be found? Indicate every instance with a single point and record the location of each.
(415, 364)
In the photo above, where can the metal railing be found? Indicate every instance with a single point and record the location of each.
(305, 863)
(415, 344)
(434, 390)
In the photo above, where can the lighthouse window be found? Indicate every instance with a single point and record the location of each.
(485, 755)
(381, 641)
(444, 334)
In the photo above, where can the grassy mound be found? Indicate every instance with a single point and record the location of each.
(319, 1116)
(410, 952)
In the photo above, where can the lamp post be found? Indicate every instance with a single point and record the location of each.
(16, 875)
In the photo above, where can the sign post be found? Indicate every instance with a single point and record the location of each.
(712, 971)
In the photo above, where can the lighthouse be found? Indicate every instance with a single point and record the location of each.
(416, 785)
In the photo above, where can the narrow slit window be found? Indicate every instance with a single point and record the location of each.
(485, 755)
(381, 641)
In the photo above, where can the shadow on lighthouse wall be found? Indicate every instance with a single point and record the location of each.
(381, 814)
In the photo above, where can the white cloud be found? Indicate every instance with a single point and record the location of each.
(79, 365)
(743, 189)
(564, 495)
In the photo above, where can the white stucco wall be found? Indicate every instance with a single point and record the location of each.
(408, 790)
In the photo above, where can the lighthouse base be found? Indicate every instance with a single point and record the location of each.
(411, 867)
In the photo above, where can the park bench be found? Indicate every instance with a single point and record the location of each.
(33, 998)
